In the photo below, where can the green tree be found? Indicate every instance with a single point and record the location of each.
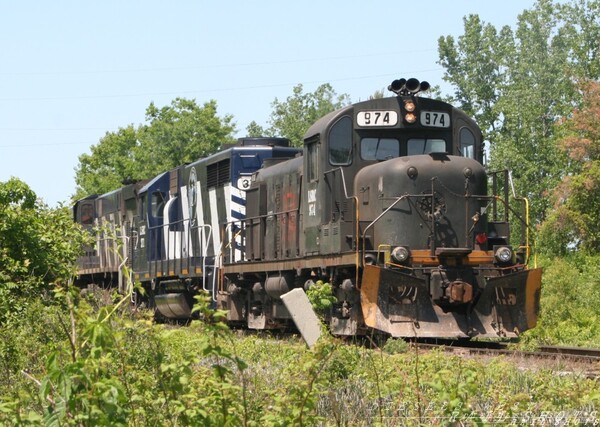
(573, 222)
(583, 32)
(475, 66)
(378, 94)
(532, 101)
(254, 130)
(172, 135)
(518, 84)
(292, 118)
(111, 161)
(181, 133)
(38, 246)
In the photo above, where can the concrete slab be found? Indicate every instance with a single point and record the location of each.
(303, 315)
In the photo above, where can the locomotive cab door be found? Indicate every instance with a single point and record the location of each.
(139, 239)
(312, 198)
(149, 247)
(338, 162)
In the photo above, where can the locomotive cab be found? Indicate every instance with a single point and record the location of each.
(343, 143)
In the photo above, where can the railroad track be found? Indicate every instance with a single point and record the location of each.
(584, 361)
(592, 354)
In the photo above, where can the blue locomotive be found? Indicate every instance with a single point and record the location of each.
(387, 200)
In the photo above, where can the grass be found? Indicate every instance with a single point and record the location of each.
(125, 370)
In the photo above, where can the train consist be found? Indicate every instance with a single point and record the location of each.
(387, 201)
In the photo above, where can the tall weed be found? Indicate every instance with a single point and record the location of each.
(570, 303)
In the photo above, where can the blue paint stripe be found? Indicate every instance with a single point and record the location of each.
(238, 200)
(238, 215)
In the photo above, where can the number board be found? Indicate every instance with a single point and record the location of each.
(435, 119)
(377, 118)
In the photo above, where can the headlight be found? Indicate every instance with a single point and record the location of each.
(503, 254)
(400, 254)
(409, 106)
(410, 118)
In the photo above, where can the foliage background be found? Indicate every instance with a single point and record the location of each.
(173, 135)
(38, 247)
(518, 84)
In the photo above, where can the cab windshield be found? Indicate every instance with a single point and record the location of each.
(379, 148)
(388, 148)
(425, 146)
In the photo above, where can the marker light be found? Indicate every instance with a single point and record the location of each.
(481, 238)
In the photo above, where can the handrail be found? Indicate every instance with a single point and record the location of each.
(364, 234)
(120, 271)
(204, 249)
(205, 237)
(527, 246)
(343, 179)
(496, 198)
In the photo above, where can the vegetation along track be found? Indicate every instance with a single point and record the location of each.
(569, 360)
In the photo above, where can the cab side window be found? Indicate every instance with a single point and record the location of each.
(87, 214)
(340, 142)
(158, 203)
(467, 143)
(312, 156)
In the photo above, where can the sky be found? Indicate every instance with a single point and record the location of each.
(71, 71)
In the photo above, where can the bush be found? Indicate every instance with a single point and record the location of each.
(570, 302)
(112, 369)
(321, 296)
(38, 246)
